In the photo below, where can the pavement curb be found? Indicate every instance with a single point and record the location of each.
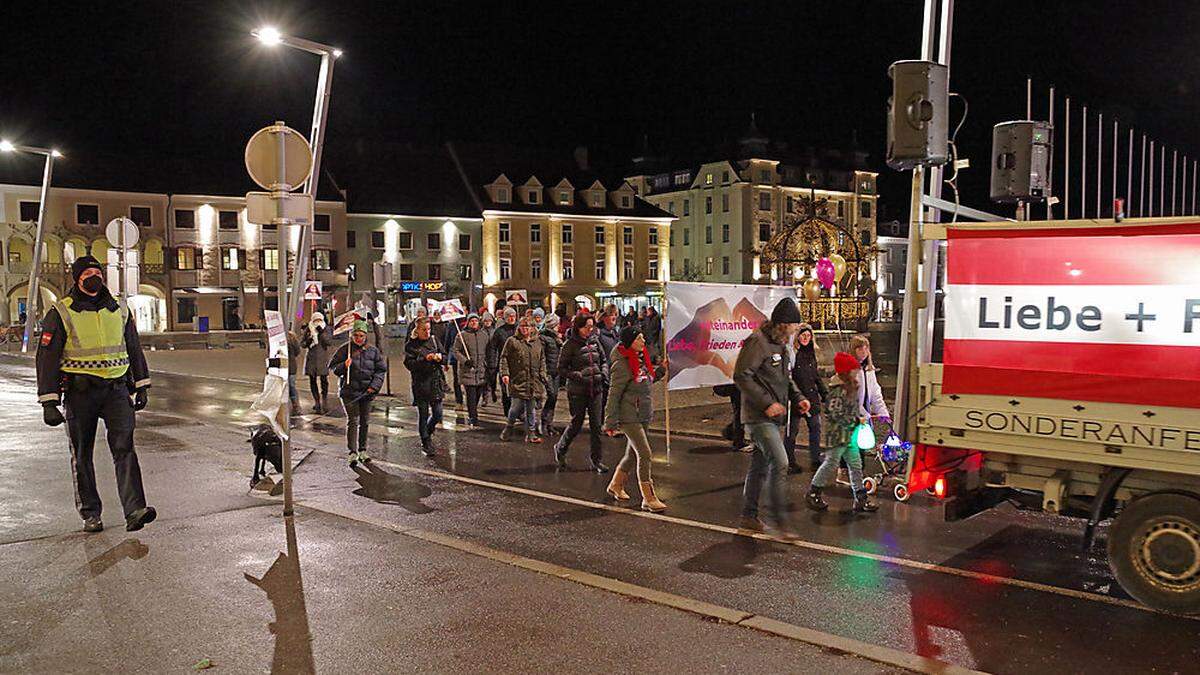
(728, 615)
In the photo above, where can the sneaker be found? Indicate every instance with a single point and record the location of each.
(363, 456)
(93, 525)
(864, 504)
(427, 447)
(533, 438)
(140, 518)
(814, 501)
(353, 457)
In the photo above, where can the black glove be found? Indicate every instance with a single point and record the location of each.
(51, 415)
(469, 364)
(140, 399)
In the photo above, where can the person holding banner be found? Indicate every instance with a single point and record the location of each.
(470, 350)
(523, 372)
(762, 374)
(318, 340)
(361, 368)
(425, 358)
(629, 411)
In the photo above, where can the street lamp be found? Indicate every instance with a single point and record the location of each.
(271, 36)
(32, 295)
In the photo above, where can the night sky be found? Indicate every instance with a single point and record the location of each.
(144, 79)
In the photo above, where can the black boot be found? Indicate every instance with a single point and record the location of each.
(427, 447)
(863, 502)
(597, 466)
(560, 456)
(814, 500)
(506, 432)
(140, 518)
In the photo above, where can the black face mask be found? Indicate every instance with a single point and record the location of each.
(92, 285)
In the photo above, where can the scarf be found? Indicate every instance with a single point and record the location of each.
(635, 367)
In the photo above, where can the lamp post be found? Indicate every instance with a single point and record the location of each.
(35, 269)
(270, 36)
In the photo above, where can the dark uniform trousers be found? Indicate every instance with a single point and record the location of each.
(87, 401)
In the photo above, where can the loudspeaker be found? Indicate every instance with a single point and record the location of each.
(1021, 152)
(918, 114)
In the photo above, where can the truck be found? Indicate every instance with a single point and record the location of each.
(1066, 378)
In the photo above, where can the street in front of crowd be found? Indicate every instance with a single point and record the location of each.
(410, 563)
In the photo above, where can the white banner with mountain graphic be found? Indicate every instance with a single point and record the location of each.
(706, 324)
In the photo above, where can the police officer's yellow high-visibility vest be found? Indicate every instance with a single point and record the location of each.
(95, 341)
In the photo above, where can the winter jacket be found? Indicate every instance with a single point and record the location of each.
(440, 331)
(842, 412)
(452, 331)
(293, 344)
(608, 339)
(524, 364)
(500, 334)
(762, 374)
(582, 366)
(871, 394)
(367, 369)
(807, 376)
(629, 397)
(552, 346)
(652, 329)
(428, 381)
(470, 351)
(318, 343)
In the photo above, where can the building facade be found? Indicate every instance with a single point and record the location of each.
(75, 223)
(224, 269)
(728, 209)
(432, 257)
(573, 244)
(889, 281)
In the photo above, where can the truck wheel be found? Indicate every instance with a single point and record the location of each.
(1154, 551)
(900, 492)
(870, 485)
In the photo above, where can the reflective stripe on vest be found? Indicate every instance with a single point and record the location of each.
(95, 341)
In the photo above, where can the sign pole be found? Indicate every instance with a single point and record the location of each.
(281, 225)
(35, 270)
(667, 376)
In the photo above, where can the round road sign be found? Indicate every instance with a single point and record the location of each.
(112, 232)
(262, 157)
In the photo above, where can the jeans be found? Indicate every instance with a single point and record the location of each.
(768, 464)
(551, 401)
(826, 475)
(429, 416)
(358, 416)
(593, 408)
(637, 449)
(293, 393)
(523, 407)
(474, 393)
(814, 438)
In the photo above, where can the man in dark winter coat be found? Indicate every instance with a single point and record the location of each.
(425, 358)
(504, 330)
(763, 375)
(584, 368)
(361, 368)
(608, 334)
(552, 346)
(652, 331)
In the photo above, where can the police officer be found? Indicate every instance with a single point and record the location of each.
(89, 352)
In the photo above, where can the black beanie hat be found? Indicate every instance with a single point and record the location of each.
(786, 312)
(82, 263)
(629, 334)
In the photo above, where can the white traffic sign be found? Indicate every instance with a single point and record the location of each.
(263, 158)
(113, 232)
(265, 207)
(312, 290)
(133, 272)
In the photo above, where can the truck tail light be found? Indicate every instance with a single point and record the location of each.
(939, 487)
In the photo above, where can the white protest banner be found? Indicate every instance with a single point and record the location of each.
(451, 309)
(312, 290)
(706, 324)
(517, 296)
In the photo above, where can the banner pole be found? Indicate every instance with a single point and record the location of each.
(667, 376)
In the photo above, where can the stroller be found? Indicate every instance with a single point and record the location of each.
(887, 461)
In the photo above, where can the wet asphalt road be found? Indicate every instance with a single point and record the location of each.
(923, 593)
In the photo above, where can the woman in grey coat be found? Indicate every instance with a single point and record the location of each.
(470, 351)
(629, 411)
(318, 340)
(523, 372)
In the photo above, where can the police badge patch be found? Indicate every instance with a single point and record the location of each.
(46, 337)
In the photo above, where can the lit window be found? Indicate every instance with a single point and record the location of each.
(322, 259)
(464, 272)
(185, 258)
(708, 179)
(568, 270)
(231, 258)
(708, 265)
(269, 259)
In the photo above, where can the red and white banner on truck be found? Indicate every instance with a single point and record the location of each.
(1107, 314)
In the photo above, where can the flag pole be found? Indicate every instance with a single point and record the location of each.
(667, 374)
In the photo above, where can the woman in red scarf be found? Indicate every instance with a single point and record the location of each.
(629, 412)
